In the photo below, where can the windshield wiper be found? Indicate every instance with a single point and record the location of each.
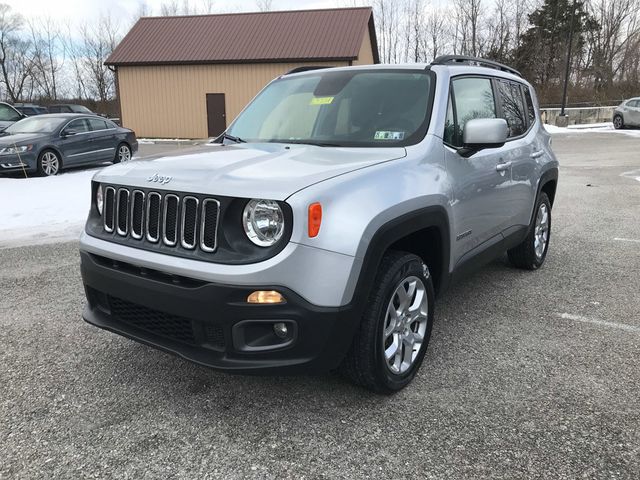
(226, 136)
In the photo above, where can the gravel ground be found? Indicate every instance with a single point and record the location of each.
(528, 375)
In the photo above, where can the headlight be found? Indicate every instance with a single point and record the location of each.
(14, 150)
(99, 199)
(263, 222)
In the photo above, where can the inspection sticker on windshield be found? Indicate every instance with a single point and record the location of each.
(384, 135)
(321, 100)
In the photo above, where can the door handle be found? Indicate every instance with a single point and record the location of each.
(501, 167)
(537, 154)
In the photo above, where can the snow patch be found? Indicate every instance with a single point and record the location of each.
(590, 128)
(44, 209)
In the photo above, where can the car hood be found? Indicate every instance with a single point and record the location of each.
(267, 170)
(19, 138)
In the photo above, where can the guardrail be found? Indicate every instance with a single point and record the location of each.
(579, 115)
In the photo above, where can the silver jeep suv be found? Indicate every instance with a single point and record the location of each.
(318, 230)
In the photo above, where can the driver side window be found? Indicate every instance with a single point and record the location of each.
(470, 98)
(78, 126)
(8, 114)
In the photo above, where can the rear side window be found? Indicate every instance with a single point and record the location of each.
(97, 124)
(513, 112)
(471, 98)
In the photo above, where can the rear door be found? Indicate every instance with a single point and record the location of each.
(216, 114)
(77, 148)
(521, 152)
(103, 139)
(480, 183)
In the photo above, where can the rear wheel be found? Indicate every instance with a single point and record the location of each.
(618, 122)
(530, 254)
(123, 153)
(49, 163)
(394, 332)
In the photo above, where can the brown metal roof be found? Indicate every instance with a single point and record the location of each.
(302, 35)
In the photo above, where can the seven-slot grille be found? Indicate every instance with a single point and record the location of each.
(175, 220)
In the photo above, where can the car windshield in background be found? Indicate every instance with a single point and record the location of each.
(80, 109)
(34, 125)
(341, 108)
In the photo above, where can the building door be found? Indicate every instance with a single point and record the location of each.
(216, 116)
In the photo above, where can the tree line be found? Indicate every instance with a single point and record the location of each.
(530, 35)
(44, 61)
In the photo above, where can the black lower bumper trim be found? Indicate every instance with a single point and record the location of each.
(196, 320)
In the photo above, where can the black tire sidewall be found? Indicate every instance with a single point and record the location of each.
(412, 266)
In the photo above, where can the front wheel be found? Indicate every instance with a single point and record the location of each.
(530, 254)
(49, 163)
(123, 153)
(618, 122)
(394, 332)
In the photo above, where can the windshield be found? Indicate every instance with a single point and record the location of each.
(80, 109)
(34, 125)
(360, 108)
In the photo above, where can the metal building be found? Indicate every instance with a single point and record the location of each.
(189, 76)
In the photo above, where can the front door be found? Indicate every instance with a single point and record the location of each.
(216, 114)
(76, 142)
(480, 184)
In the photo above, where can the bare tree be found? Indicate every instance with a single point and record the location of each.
(15, 54)
(48, 56)
(97, 44)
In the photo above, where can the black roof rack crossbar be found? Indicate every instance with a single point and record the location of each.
(445, 59)
(305, 69)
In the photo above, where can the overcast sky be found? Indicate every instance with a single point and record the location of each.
(123, 10)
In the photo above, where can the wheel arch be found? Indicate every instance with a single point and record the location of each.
(55, 150)
(423, 232)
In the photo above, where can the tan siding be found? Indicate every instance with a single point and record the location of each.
(170, 101)
(365, 57)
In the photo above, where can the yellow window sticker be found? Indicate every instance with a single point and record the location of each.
(385, 135)
(321, 100)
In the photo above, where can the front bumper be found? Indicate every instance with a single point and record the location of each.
(211, 324)
(12, 163)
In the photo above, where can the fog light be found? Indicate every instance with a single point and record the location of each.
(281, 330)
(265, 296)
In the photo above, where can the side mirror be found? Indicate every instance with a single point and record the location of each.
(481, 133)
(69, 133)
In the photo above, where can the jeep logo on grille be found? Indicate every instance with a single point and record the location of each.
(161, 179)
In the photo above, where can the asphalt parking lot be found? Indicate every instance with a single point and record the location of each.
(528, 375)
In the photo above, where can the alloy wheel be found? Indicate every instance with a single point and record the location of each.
(405, 324)
(541, 235)
(124, 154)
(50, 163)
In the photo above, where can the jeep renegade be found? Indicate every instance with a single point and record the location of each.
(317, 232)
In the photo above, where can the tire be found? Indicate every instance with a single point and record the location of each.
(366, 362)
(49, 163)
(618, 122)
(123, 153)
(531, 253)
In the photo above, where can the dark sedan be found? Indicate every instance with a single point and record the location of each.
(47, 143)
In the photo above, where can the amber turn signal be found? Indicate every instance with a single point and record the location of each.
(315, 219)
(265, 296)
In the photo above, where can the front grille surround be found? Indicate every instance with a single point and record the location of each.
(170, 214)
(170, 220)
(189, 225)
(122, 212)
(137, 214)
(154, 206)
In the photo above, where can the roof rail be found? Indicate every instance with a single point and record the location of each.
(445, 59)
(305, 69)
